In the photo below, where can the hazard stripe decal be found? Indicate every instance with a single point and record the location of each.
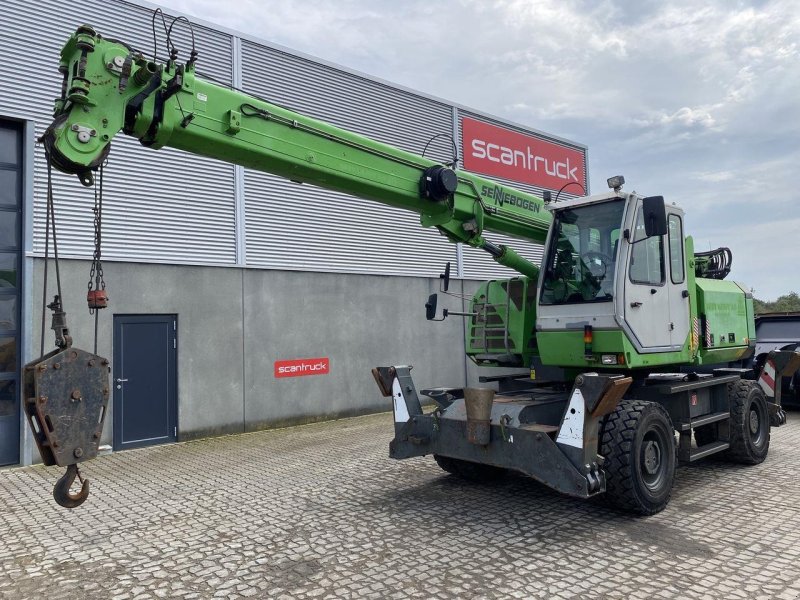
(767, 379)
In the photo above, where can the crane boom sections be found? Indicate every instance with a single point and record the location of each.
(108, 87)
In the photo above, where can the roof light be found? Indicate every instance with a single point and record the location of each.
(616, 182)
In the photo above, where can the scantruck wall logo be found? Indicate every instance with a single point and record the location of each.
(301, 367)
(492, 150)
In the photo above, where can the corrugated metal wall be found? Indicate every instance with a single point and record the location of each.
(292, 226)
(172, 207)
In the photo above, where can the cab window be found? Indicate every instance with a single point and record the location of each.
(676, 261)
(647, 256)
(582, 256)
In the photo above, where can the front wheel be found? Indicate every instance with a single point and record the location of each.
(637, 441)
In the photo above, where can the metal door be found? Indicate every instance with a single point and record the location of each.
(646, 290)
(145, 387)
(678, 290)
(10, 286)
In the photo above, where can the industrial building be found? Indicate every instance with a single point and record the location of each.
(238, 300)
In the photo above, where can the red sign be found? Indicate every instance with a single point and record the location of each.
(504, 153)
(300, 367)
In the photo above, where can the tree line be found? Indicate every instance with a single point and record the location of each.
(787, 303)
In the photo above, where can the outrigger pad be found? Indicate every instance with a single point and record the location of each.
(786, 362)
(66, 397)
(602, 393)
(384, 377)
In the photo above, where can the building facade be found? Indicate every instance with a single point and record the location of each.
(238, 300)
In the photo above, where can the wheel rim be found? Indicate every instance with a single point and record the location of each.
(757, 424)
(654, 463)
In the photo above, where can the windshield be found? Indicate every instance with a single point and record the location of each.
(579, 266)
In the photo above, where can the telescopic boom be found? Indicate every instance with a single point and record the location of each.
(108, 87)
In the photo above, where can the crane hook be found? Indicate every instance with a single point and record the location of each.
(61, 492)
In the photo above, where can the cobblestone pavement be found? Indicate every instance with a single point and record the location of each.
(320, 511)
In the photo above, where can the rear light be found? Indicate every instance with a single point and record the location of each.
(587, 341)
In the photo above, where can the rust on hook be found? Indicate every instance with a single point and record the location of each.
(62, 494)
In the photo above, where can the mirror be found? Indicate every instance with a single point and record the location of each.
(655, 216)
(430, 306)
(445, 277)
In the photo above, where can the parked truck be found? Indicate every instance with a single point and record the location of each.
(644, 343)
(779, 331)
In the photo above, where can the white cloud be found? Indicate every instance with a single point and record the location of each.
(683, 119)
(714, 176)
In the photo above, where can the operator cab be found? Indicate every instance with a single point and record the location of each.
(615, 261)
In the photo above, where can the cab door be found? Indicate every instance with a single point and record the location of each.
(646, 291)
(678, 290)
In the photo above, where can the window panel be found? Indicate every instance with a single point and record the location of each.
(8, 398)
(8, 270)
(8, 229)
(8, 354)
(9, 145)
(8, 313)
(676, 249)
(647, 257)
(580, 262)
(9, 188)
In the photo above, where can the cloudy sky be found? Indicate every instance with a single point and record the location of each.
(695, 101)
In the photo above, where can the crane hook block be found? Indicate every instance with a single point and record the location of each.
(61, 491)
(97, 299)
(66, 397)
(438, 183)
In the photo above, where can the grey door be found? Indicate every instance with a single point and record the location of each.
(144, 378)
(10, 286)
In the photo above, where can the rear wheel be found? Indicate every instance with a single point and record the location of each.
(750, 434)
(637, 441)
(469, 470)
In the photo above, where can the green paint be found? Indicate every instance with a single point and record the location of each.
(729, 315)
(566, 349)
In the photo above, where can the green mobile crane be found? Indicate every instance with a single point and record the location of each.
(634, 338)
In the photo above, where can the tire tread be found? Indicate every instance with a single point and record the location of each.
(616, 439)
(739, 397)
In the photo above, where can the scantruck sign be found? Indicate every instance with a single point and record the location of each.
(500, 152)
(300, 367)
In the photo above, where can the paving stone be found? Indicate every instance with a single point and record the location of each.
(320, 512)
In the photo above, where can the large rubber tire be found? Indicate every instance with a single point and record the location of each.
(469, 470)
(637, 441)
(749, 437)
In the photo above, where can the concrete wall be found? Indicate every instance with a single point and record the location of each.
(234, 323)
